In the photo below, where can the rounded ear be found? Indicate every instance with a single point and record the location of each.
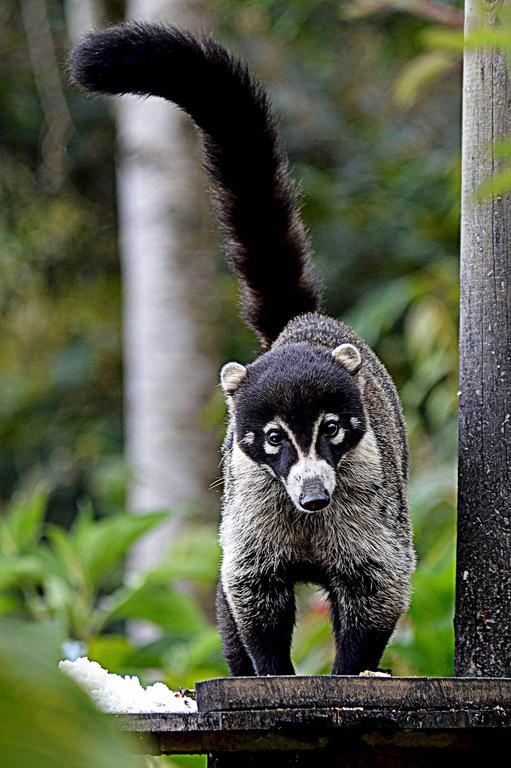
(349, 356)
(231, 376)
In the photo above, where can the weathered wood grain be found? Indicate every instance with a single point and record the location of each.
(483, 599)
(228, 729)
(419, 693)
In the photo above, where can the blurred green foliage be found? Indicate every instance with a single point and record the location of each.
(74, 578)
(380, 178)
(47, 720)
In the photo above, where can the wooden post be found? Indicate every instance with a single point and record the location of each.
(483, 599)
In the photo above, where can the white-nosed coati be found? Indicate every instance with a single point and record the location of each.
(315, 455)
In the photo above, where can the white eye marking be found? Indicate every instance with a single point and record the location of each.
(272, 449)
(271, 425)
(330, 417)
(248, 439)
(355, 422)
(339, 437)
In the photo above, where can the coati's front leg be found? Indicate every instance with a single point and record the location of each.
(362, 627)
(263, 609)
(238, 660)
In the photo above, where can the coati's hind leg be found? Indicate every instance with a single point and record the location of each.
(362, 628)
(238, 660)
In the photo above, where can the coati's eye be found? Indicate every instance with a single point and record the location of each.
(275, 437)
(330, 428)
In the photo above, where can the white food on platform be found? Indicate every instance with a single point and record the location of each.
(122, 695)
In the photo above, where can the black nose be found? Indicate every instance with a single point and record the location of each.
(314, 497)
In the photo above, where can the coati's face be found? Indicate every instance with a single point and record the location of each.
(297, 412)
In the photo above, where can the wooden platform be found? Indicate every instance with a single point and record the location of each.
(348, 721)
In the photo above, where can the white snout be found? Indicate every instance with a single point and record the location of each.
(310, 483)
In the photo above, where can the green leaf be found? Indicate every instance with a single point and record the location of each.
(58, 596)
(111, 651)
(488, 37)
(377, 311)
(25, 516)
(47, 720)
(18, 571)
(194, 554)
(480, 37)
(499, 183)
(448, 39)
(104, 543)
(50, 561)
(68, 555)
(419, 73)
(502, 148)
(172, 611)
(11, 603)
(84, 520)
(197, 652)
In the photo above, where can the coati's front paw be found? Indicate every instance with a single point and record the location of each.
(265, 669)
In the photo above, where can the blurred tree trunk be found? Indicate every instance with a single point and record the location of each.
(167, 285)
(82, 16)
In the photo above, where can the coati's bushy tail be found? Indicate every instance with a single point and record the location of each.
(267, 245)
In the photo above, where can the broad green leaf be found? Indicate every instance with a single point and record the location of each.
(11, 603)
(195, 554)
(172, 611)
(47, 720)
(104, 543)
(18, 571)
(419, 73)
(502, 148)
(67, 553)
(488, 37)
(84, 520)
(111, 651)
(58, 595)
(456, 41)
(182, 657)
(7, 546)
(448, 39)
(25, 517)
(498, 184)
(377, 311)
(50, 561)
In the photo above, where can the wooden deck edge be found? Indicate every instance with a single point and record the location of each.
(404, 693)
(331, 718)
(306, 729)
